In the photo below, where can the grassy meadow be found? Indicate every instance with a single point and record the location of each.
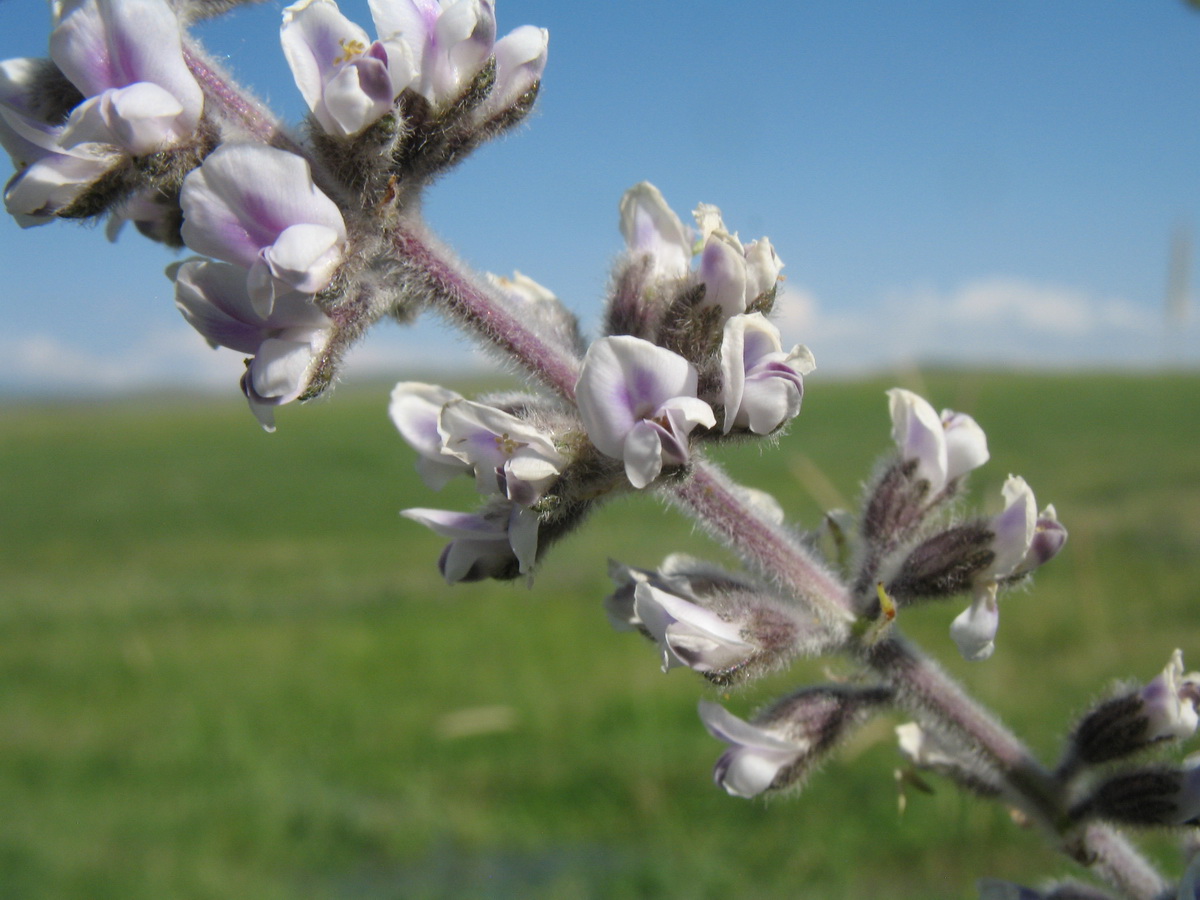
(228, 669)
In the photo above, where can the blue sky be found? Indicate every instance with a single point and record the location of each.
(989, 182)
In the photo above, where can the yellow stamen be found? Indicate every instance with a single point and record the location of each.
(350, 49)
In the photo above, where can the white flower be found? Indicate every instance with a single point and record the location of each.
(733, 275)
(449, 40)
(212, 297)
(520, 61)
(49, 176)
(348, 81)
(509, 456)
(756, 758)
(1021, 541)
(126, 58)
(920, 749)
(1169, 702)
(257, 207)
(974, 629)
(651, 228)
(945, 447)
(492, 545)
(414, 409)
(723, 273)
(638, 403)
(761, 385)
(689, 634)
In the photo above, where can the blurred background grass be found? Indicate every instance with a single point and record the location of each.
(229, 669)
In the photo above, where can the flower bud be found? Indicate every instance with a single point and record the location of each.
(786, 741)
(1154, 795)
(1164, 709)
(501, 542)
(718, 624)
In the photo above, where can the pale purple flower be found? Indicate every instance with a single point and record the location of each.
(757, 758)
(761, 385)
(509, 456)
(723, 273)
(638, 403)
(520, 61)
(651, 228)
(945, 447)
(348, 81)
(482, 546)
(763, 266)
(49, 177)
(688, 634)
(1018, 547)
(415, 409)
(450, 41)
(257, 207)
(734, 275)
(921, 749)
(126, 58)
(1049, 536)
(1169, 702)
(212, 297)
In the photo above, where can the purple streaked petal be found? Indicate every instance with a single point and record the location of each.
(651, 227)
(455, 525)
(104, 44)
(245, 196)
(723, 274)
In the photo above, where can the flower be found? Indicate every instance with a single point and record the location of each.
(348, 81)
(449, 40)
(126, 58)
(1021, 541)
(689, 634)
(758, 758)
(499, 543)
(212, 297)
(921, 749)
(784, 742)
(652, 229)
(257, 207)
(509, 456)
(761, 386)
(638, 403)
(944, 448)
(49, 176)
(520, 61)
(733, 275)
(414, 409)
(1170, 702)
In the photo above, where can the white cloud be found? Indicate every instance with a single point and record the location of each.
(999, 321)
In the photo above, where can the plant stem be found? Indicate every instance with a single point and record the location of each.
(477, 306)
(724, 510)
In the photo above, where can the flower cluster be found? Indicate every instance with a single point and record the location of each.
(130, 94)
(906, 549)
(127, 118)
(515, 462)
(304, 243)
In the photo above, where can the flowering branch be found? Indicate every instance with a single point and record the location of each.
(307, 245)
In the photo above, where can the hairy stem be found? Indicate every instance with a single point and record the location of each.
(234, 103)
(468, 300)
(725, 511)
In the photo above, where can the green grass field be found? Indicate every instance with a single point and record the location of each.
(228, 669)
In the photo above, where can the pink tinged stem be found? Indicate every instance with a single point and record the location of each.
(483, 310)
(253, 116)
(710, 497)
